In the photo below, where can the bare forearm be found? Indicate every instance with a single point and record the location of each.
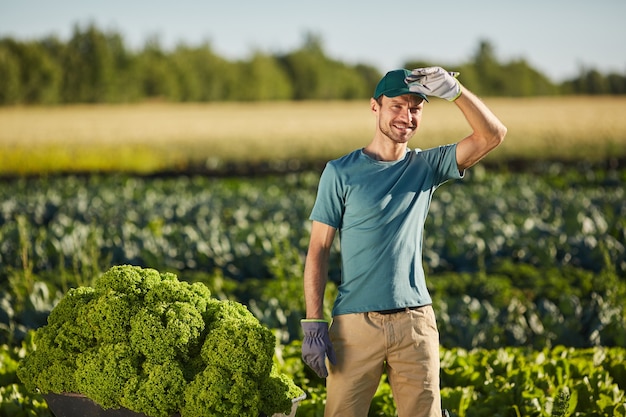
(315, 276)
(487, 130)
(479, 116)
(316, 269)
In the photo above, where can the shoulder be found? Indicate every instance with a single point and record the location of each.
(442, 161)
(436, 154)
(347, 159)
(345, 164)
(437, 150)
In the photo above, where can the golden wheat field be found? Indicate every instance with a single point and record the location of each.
(150, 137)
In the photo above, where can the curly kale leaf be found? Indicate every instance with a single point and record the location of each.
(70, 306)
(219, 392)
(102, 372)
(158, 391)
(109, 317)
(278, 392)
(130, 280)
(169, 291)
(238, 342)
(163, 332)
(66, 321)
(240, 378)
(49, 368)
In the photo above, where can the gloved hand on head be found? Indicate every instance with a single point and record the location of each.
(434, 81)
(316, 346)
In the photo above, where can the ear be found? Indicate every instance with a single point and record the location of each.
(374, 105)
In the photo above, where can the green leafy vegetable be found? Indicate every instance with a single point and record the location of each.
(148, 342)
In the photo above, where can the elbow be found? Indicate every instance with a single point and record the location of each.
(499, 132)
(502, 132)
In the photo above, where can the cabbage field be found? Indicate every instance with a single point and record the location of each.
(527, 268)
(526, 261)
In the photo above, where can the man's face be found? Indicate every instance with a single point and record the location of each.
(399, 117)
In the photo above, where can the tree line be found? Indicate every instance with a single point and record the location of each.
(95, 66)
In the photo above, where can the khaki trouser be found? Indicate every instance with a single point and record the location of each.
(405, 344)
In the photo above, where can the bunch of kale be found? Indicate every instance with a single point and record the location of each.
(148, 342)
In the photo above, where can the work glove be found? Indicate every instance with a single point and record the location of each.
(316, 346)
(434, 81)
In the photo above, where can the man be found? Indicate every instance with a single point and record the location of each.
(377, 198)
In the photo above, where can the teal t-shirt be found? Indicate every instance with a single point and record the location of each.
(379, 209)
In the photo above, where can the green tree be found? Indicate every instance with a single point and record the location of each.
(89, 65)
(486, 76)
(344, 82)
(203, 75)
(617, 83)
(594, 83)
(488, 71)
(40, 75)
(370, 76)
(521, 80)
(317, 77)
(305, 68)
(263, 78)
(10, 85)
(95, 67)
(157, 73)
(125, 83)
(189, 77)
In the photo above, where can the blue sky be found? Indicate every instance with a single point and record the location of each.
(557, 37)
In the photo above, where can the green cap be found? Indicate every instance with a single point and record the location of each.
(393, 84)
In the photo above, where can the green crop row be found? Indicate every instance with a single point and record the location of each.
(476, 383)
(508, 382)
(516, 258)
(562, 218)
(522, 263)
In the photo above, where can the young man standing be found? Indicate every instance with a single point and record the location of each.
(377, 198)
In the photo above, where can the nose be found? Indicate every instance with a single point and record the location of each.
(407, 115)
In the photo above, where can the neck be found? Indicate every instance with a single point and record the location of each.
(386, 153)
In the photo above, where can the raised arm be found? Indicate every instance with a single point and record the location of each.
(487, 130)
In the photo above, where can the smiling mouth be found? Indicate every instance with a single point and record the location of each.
(404, 127)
